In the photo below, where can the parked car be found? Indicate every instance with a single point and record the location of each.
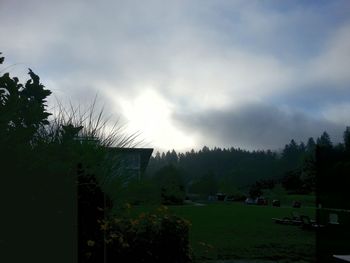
(261, 201)
(230, 198)
(220, 196)
(250, 201)
(236, 197)
(276, 203)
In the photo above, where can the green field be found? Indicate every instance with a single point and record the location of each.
(238, 231)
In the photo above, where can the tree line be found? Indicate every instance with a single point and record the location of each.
(233, 170)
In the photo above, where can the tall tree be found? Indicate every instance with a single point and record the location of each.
(324, 140)
(310, 146)
(346, 137)
(22, 108)
(171, 182)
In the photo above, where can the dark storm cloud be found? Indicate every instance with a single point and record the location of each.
(313, 99)
(255, 127)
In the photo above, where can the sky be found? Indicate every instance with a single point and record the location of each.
(184, 74)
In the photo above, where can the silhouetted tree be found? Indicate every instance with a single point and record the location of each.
(22, 109)
(205, 185)
(310, 146)
(292, 181)
(171, 183)
(346, 138)
(171, 157)
(255, 190)
(324, 140)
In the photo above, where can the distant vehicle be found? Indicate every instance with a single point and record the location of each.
(296, 204)
(230, 198)
(261, 201)
(220, 196)
(211, 198)
(250, 201)
(236, 198)
(276, 203)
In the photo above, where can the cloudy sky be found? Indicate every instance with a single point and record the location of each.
(249, 74)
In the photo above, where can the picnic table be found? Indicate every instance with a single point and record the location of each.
(296, 220)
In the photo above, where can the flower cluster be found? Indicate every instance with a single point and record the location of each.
(147, 237)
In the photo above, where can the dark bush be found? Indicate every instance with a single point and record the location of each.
(152, 238)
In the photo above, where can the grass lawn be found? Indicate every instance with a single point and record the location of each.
(239, 231)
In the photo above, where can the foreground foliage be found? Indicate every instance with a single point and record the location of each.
(148, 237)
(58, 172)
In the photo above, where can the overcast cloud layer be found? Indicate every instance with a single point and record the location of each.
(250, 74)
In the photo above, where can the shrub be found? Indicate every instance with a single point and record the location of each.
(152, 237)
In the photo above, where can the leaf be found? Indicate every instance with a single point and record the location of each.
(34, 77)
